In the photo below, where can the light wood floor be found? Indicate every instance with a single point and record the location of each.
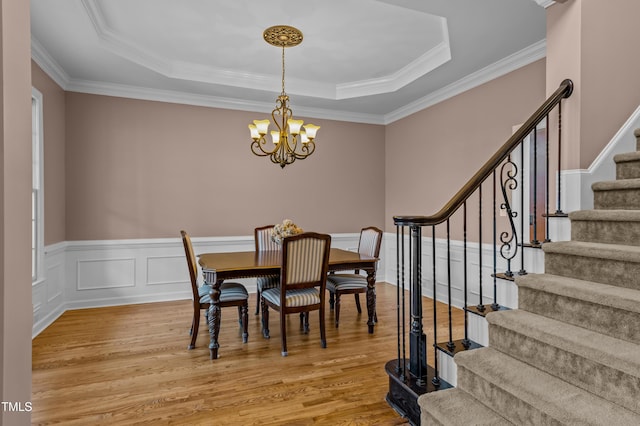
(129, 365)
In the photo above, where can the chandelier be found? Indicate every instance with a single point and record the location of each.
(293, 140)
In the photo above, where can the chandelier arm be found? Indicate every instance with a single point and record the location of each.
(307, 150)
(258, 149)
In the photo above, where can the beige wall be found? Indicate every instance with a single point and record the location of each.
(141, 169)
(16, 317)
(431, 154)
(53, 98)
(595, 44)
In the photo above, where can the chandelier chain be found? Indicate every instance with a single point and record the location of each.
(283, 70)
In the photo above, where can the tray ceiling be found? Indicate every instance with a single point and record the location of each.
(360, 60)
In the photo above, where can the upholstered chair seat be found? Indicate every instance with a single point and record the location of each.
(229, 292)
(294, 298)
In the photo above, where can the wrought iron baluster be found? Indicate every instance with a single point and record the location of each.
(465, 342)
(534, 241)
(436, 377)
(495, 305)
(509, 241)
(546, 180)
(480, 306)
(559, 191)
(522, 271)
(450, 345)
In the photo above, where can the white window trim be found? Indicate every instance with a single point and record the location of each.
(38, 141)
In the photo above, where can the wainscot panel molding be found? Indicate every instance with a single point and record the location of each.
(507, 294)
(87, 274)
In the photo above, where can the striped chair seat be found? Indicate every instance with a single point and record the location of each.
(343, 282)
(228, 292)
(294, 298)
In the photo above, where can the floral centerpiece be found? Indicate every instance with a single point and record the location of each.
(284, 229)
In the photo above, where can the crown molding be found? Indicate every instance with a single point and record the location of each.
(158, 95)
(545, 3)
(504, 66)
(41, 57)
(497, 69)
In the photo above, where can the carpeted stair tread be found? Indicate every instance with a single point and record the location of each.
(526, 395)
(601, 294)
(577, 355)
(605, 215)
(599, 250)
(627, 165)
(454, 407)
(618, 194)
(612, 264)
(606, 226)
(600, 307)
(616, 185)
(627, 157)
(619, 354)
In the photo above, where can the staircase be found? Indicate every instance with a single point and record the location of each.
(571, 353)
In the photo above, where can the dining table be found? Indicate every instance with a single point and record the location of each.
(222, 266)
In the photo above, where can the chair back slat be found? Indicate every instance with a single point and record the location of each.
(191, 263)
(306, 260)
(263, 241)
(370, 240)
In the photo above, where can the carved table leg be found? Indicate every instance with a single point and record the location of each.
(371, 298)
(214, 319)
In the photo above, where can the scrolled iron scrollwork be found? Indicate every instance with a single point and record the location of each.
(508, 184)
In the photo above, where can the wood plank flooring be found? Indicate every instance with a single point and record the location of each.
(129, 365)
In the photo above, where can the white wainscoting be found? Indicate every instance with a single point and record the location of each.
(86, 274)
(507, 294)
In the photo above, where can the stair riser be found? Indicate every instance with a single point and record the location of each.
(608, 232)
(615, 322)
(595, 377)
(501, 401)
(606, 271)
(628, 170)
(623, 199)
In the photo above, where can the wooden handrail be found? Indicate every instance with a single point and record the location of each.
(564, 91)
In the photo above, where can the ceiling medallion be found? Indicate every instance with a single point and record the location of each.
(282, 36)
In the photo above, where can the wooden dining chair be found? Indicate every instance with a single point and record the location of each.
(263, 242)
(303, 277)
(231, 294)
(355, 283)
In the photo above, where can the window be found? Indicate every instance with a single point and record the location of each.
(37, 198)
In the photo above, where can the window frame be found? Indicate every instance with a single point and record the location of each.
(37, 172)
